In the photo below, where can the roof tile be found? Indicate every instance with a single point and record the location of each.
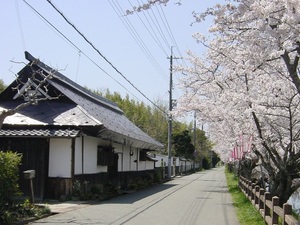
(39, 132)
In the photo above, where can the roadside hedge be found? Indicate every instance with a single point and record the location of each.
(9, 176)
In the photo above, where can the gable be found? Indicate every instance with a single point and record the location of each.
(28, 89)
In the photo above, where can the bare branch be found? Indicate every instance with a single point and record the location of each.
(31, 90)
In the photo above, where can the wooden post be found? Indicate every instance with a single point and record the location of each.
(260, 202)
(252, 192)
(29, 175)
(267, 212)
(249, 189)
(242, 186)
(261, 193)
(243, 183)
(287, 210)
(32, 192)
(275, 203)
(256, 199)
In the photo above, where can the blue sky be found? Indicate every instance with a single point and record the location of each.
(146, 67)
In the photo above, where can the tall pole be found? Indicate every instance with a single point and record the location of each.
(170, 117)
(195, 136)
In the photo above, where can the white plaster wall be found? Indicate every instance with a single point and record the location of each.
(161, 158)
(189, 165)
(90, 155)
(60, 157)
(150, 165)
(177, 161)
(134, 157)
(186, 165)
(145, 165)
(126, 158)
(86, 152)
(78, 155)
(118, 148)
(141, 165)
(120, 162)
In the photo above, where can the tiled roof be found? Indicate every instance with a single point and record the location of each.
(39, 132)
(116, 126)
(75, 107)
(49, 113)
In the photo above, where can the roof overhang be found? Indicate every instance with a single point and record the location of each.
(150, 145)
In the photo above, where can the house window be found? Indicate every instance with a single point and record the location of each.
(143, 155)
(105, 156)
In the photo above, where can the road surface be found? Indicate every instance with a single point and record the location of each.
(197, 199)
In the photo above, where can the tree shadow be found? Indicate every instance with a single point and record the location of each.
(141, 194)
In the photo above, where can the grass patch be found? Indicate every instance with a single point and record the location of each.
(247, 214)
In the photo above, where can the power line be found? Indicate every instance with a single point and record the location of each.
(92, 45)
(157, 21)
(153, 33)
(20, 25)
(157, 24)
(158, 27)
(158, 31)
(77, 48)
(169, 30)
(131, 29)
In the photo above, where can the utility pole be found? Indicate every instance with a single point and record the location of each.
(195, 136)
(170, 116)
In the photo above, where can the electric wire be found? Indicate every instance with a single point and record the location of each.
(152, 58)
(20, 25)
(152, 32)
(152, 19)
(77, 48)
(132, 31)
(92, 45)
(168, 28)
(158, 26)
(171, 35)
(155, 23)
(52, 27)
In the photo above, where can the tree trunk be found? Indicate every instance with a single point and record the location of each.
(281, 186)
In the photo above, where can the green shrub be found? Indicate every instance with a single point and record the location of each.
(96, 189)
(6, 217)
(157, 176)
(77, 188)
(9, 176)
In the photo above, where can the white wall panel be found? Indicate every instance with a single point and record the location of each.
(60, 157)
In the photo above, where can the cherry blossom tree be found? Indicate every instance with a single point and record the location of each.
(247, 84)
(147, 5)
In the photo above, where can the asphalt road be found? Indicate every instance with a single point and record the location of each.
(197, 199)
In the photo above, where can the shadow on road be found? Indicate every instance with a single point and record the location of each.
(136, 196)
